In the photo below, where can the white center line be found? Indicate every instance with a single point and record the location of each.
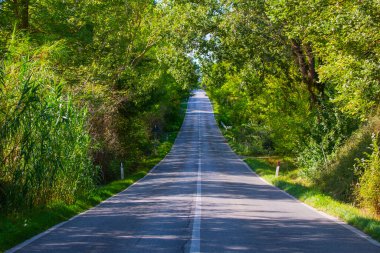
(196, 233)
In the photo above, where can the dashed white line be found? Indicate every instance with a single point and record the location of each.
(195, 244)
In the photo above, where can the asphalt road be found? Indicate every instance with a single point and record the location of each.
(201, 198)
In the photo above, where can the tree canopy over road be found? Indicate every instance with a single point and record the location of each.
(87, 84)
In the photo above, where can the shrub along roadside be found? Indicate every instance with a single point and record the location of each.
(44, 137)
(19, 226)
(368, 188)
(302, 190)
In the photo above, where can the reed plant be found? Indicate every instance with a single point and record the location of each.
(44, 141)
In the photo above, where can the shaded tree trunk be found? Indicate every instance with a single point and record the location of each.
(15, 9)
(21, 12)
(24, 14)
(305, 60)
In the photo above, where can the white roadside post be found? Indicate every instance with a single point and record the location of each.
(121, 171)
(277, 168)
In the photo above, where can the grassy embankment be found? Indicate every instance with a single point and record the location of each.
(290, 182)
(19, 226)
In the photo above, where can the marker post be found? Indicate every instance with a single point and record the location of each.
(121, 171)
(277, 168)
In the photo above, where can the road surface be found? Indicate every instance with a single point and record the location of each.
(201, 198)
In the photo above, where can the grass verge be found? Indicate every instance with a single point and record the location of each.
(20, 226)
(17, 227)
(290, 182)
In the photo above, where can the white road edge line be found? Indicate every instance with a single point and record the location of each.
(195, 244)
(330, 217)
(48, 231)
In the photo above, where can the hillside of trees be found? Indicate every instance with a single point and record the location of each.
(87, 84)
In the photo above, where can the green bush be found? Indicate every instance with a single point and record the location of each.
(323, 140)
(338, 176)
(368, 188)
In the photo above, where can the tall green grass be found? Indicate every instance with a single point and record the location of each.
(44, 144)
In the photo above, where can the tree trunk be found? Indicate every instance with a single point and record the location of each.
(15, 7)
(305, 60)
(24, 11)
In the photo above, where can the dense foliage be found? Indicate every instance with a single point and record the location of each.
(44, 141)
(301, 78)
(84, 86)
(88, 84)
